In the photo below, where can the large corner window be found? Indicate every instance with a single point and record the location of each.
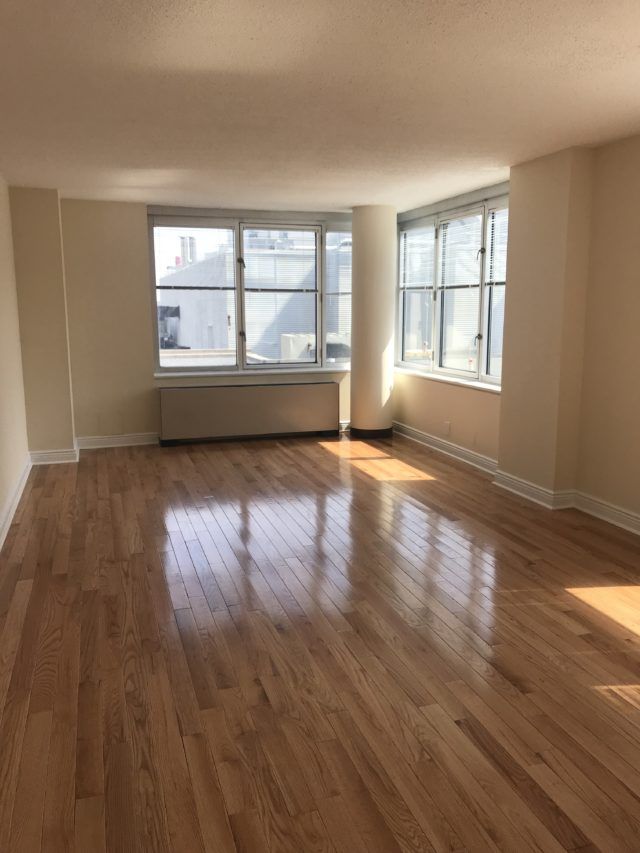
(241, 296)
(452, 282)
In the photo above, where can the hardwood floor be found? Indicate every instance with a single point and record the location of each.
(313, 645)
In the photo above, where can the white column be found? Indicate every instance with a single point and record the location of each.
(375, 234)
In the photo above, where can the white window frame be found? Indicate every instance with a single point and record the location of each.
(436, 220)
(414, 225)
(239, 225)
(490, 206)
(240, 267)
(332, 228)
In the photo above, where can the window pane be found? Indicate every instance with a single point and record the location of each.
(338, 262)
(337, 300)
(417, 249)
(417, 344)
(495, 276)
(195, 296)
(194, 257)
(197, 328)
(281, 327)
(279, 259)
(459, 324)
(338, 324)
(460, 244)
(496, 294)
(497, 232)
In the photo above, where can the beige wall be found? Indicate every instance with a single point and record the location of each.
(427, 404)
(538, 194)
(37, 246)
(570, 414)
(13, 427)
(110, 308)
(610, 439)
(544, 318)
(574, 313)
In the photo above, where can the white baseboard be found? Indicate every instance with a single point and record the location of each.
(53, 457)
(485, 463)
(87, 442)
(608, 512)
(11, 503)
(532, 492)
(569, 499)
(92, 442)
(566, 499)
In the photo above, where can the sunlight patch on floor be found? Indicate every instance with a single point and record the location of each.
(353, 450)
(374, 462)
(619, 603)
(629, 692)
(387, 470)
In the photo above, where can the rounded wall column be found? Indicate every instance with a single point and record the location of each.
(375, 237)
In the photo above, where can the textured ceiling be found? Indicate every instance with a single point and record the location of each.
(306, 105)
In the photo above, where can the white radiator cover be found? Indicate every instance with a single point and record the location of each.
(230, 411)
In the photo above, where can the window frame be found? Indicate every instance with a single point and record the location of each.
(319, 324)
(191, 222)
(332, 228)
(435, 220)
(490, 206)
(417, 224)
(295, 223)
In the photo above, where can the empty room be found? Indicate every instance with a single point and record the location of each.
(319, 426)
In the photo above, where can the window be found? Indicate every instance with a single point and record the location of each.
(452, 282)
(337, 310)
(243, 296)
(280, 296)
(417, 253)
(495, 286)
(195, 296)
(459, 263)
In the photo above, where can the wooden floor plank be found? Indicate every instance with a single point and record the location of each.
(306, 645)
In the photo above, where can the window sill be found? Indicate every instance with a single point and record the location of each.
(449, 380)
(254, 374)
